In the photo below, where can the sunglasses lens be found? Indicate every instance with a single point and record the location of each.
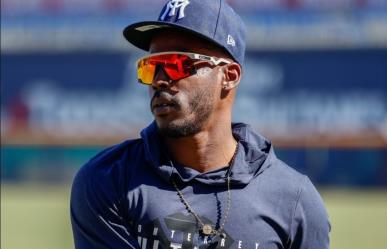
(176, 66)
(146, 71)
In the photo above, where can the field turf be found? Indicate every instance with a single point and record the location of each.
(37, 217)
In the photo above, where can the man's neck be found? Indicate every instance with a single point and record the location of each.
(204, 151)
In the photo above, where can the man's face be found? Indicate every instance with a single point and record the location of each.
(184, 107)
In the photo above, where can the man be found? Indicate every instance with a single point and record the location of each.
(194, 179)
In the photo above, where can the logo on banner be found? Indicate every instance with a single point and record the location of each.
(173, 6)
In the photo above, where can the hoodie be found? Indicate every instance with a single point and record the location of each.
(124, 198)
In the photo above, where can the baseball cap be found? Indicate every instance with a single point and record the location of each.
(213, 20)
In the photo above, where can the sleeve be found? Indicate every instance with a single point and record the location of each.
(310, 224)
(96, 212)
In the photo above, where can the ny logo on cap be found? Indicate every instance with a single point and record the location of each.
(172, 6)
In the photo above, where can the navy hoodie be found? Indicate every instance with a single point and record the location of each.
(123, 198)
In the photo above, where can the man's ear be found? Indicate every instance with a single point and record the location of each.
(232, 76)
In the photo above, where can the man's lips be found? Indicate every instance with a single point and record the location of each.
(163, 110)
(163, 105)
(160, 105)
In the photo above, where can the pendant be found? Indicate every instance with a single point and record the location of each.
(207, 229)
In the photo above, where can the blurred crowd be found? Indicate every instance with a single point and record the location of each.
(314, 67)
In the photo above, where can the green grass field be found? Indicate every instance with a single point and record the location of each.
(37, 217)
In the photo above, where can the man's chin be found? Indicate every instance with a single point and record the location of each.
(175, 129)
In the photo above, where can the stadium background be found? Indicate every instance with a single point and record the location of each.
(315, 83)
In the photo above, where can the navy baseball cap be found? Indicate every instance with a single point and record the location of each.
(213, 20)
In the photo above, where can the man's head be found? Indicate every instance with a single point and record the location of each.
(184, 107)
(191, 92)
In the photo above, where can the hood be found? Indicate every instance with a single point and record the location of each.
(254, 155)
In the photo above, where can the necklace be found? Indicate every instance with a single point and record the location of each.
(208, 229)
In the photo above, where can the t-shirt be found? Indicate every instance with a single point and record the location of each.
(124, 198)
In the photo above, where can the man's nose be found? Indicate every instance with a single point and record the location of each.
(161, 79)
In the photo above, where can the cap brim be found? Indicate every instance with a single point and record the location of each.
(141, 34)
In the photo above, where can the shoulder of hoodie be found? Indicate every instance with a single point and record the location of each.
(289, 186)
(113, 162)
(283, 174)
(296, 191)
(276, 176)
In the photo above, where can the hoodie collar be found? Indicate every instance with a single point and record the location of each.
(254, 155)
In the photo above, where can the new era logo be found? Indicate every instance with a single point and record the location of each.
(230, 40)
(174, 5)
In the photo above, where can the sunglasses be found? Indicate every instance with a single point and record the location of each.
(177, 65)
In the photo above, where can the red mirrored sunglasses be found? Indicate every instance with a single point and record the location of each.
(177, 65)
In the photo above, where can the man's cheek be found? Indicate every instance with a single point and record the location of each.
(204, 71)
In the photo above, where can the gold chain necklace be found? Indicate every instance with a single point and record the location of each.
(208, 229)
